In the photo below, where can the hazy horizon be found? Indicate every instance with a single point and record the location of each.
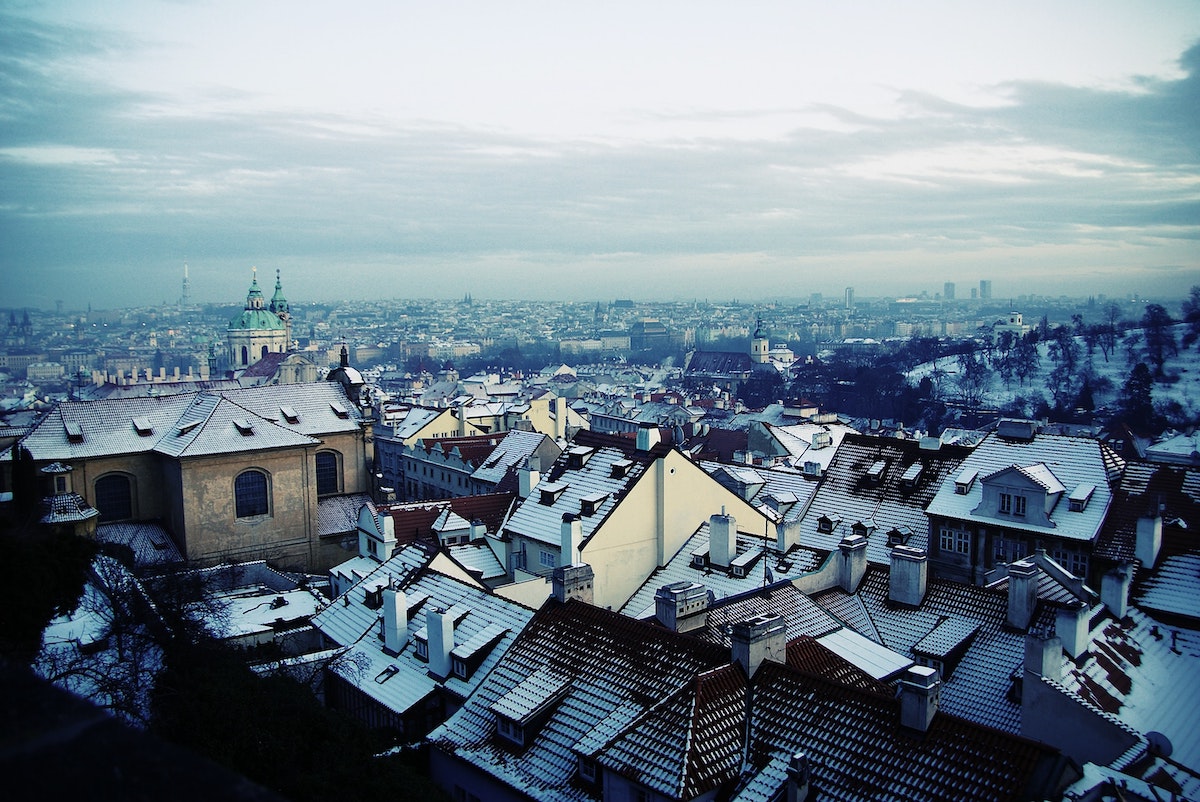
(667, 151)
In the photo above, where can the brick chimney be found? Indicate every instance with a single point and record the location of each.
(574, 582)
(682, 606)
(920, 695)
(852, 554)
(909, 575)
(571, 536)
(763, 637)
(1022, 593)
(722, 539)
(395, 620)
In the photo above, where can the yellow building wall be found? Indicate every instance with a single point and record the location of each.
(627, 548)
(149, 492)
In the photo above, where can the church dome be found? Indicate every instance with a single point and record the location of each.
(255, 316)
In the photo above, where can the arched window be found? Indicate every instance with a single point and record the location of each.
(264, 351)
(328, 475)
(245, 355)
(251, 494)
(114, 497)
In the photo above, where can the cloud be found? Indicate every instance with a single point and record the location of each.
(126, 185)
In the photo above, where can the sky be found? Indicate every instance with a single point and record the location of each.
(593, 151)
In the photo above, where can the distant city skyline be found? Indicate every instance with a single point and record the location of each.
(670, 151)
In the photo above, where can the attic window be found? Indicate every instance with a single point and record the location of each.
(339, 410)
(142, 425)
(289, 414)
(863, 528)
(589, 504)
(899, 536)
(550, 491)
(826, 523)
(587, 769)
(74, 432)
(244, 426)
(578, 456)
(875, 472)
(912, 475)
(962, 485)
(1079, 498)
(620, 468)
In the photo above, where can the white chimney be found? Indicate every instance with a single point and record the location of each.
(574, 582)
(852, 554)
(1114, 590)
(787, 535)
(528, 476)
(763, 637)
(571, 536)
(722, 539)
(439, 629)
(909, 575)
(920, 694)
(1071, 624)
(1022, 593)
(478, 530)
(648, 436)
(1043, 655)
(682, 606)
(395, 620)
(1149, 540)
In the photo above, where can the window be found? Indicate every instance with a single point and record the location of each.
(264, 351)
(114, 497)
(327, 473)
(251, 495)
(954, 541)
(245, 355)
(422, 648)
(587, 769)
(1019, 505)
(1006, 503)
(547, 559)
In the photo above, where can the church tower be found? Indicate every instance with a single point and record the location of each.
(760, 346)
(279, 306)
(257, 330)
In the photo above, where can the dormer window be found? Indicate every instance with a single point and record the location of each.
(587, 769)
(578, 456)
(620, 468)
(550, 491)
(510, 731)
(422, 648)
(1079, 498)
(589, 504)
(863, 528)
(244, 427)
(962, 485)
(875, 472)
(339, 409)
(289, 414)
(912, 475)
(899, 536)
(826, 523)
(141, 425)
(74, 432)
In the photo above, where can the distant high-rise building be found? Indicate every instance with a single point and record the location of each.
(849, 297)
(985, 289)
(974, 293)
(948, 291)
(186, 298)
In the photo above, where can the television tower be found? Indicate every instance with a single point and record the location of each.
(186, 300)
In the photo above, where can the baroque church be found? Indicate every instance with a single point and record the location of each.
(261, 328)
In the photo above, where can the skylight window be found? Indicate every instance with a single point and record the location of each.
(74, 432)
(244, 426)
(289, 414)
(339, 409)
(142, 425)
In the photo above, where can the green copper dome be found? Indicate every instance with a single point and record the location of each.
(257, 319)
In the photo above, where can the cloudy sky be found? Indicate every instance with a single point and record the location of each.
(593, 151)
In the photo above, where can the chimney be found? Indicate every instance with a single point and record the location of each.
(1022, 593)
(853, 562)
(395, 620)
(1043, 655)
(722, 539)
(909, 575)
(462, 420)
(1071, 625)
(1114, 590)
(682, 606)
(528, 476)
(439, 629)
(920, 693)
(571, 534)
(647, 436)
(478, 530)
(787, 535)
(574, 582)
(798, 778)
(763, 637)
(1149, 540)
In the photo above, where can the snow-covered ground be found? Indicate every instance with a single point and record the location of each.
(1181, 370)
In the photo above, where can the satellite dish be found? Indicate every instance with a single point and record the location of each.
(1159, 744)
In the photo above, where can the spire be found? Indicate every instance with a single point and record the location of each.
(254, 298)
(279, 304)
